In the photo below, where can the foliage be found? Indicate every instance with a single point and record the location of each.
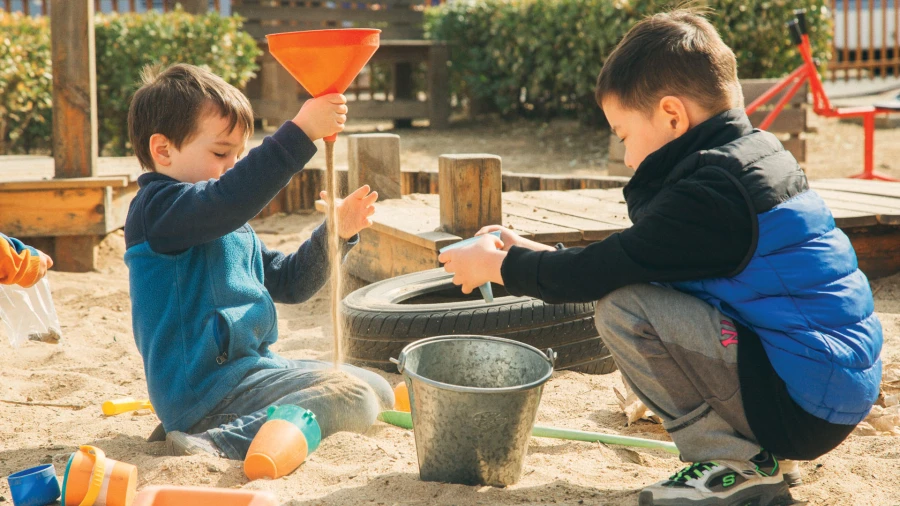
(542, 57)
(125, 44)
(26, 107)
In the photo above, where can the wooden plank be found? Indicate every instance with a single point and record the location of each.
(790, 120)
(73, 183)
(374, 159)
(875, 188)
(797, 147)
(876, 250)
(381, 256)
(61, 212)
(75, 145)
(885, 209)
(571, 204)
(545, 232)
(607, 195)
(754, 88)
(410, 220)
(591, 230)
(470, 192)
(254, 14)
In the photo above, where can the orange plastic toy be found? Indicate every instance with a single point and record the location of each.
(92, 479)
(289, 435)
(199, 496)
(401, 397)
(324, 61)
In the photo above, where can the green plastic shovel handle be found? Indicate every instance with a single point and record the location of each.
(404, 420)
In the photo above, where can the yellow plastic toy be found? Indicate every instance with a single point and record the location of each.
(119, 406)
(401, 397)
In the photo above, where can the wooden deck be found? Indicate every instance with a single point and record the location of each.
(406, 235)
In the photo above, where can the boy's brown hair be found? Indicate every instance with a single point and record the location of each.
(676, 53)
(172, 102)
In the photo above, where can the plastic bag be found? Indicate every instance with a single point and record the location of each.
(28, 314)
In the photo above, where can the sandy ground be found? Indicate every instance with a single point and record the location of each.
(97, 361)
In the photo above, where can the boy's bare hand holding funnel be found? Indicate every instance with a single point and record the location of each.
(322, 116)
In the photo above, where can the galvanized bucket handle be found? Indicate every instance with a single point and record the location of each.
(551, 356)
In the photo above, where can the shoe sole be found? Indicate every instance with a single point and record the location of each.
(760, 495)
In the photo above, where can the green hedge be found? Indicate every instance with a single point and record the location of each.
(541, 57)
(125, 43)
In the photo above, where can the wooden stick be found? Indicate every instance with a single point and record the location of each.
(334, 249)
(46, 404)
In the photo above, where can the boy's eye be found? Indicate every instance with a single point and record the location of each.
(220, 155)
(622, 140)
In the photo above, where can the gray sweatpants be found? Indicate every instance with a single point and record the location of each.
(679, 355)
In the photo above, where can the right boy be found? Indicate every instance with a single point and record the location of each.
(734, 307)
(203, 285)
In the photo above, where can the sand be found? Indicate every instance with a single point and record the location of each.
(97, 360)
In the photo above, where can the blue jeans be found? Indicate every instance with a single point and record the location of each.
(348, 399)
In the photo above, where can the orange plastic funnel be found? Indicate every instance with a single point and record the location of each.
(324, 61)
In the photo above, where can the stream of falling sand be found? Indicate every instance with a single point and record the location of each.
(334, 252)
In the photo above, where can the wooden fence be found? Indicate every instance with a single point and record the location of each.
(43, 6)
(866, 39)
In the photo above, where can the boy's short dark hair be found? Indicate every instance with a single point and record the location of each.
(676, 53)
(172, 102)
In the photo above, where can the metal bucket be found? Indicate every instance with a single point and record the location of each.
(474, 400)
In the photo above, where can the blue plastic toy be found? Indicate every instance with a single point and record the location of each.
(37, 486)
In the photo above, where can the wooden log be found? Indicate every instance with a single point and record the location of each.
(470, 193)
(374, 159)
(74, 88)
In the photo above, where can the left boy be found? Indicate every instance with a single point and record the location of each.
(202, 284)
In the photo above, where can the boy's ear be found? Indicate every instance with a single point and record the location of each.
(675, 115)
(160, 150)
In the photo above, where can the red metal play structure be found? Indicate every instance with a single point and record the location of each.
(821, 105)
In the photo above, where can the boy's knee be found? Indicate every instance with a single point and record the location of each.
(361, 404)
(619, 300)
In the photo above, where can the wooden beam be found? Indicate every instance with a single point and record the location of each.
(74, 88)
(77, 253)
(470, 193)
(374, 159)
(195, 6)
(438, 86)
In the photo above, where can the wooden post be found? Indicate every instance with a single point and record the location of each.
(438, 86)
(403, 89)
(470, 192)
(195, 6)
(74, 88)
(374, 159)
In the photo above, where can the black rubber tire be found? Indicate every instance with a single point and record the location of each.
(381, 318)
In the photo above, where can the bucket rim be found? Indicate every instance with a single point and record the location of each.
(464, 389)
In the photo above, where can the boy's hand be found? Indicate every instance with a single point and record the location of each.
(323, 116)
(511, 239)
(45, 264)
(476, 264)
(353, 212)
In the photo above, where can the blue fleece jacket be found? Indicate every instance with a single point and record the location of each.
(202, 284)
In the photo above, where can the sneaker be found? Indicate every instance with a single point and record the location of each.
(791, 471)
(180, 444)
(727, 483)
